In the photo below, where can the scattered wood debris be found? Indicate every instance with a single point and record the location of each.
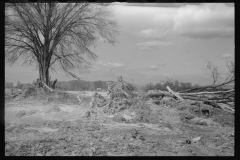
(210, 98)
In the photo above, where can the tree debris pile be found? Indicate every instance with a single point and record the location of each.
(214, 99)
(123, 97)
(143, 113)
(199, 108)
(201, 114)
(27, 92)
(120, 89)
(32, 91)
(12, 93)
(40, 93)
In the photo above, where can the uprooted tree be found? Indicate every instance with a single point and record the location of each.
(208, 94)
(215, 74)
(52, 35)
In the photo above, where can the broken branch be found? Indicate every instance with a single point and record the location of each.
(175, 94)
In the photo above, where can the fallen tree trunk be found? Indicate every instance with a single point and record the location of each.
(198, 89)
(198, 93)
(192, 96)
(229, 108)
(175, 94)
(220, 100)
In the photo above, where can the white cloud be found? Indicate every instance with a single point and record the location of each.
(147, 45)
(114, 65)
(205, 21)
(153, 67)
(227, 55)
(163, 22)
(153, 33)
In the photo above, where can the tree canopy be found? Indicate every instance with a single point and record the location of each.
(57, 34)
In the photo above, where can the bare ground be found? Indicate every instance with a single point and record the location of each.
(38, 127)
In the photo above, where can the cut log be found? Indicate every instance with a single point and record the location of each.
(220, 100)
(232, 90)
(178, 96)
(229, 108)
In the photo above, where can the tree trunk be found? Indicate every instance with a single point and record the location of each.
(44, 74)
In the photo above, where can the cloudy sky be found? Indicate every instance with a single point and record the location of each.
(157, 41)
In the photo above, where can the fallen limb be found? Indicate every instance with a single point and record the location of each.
(175, 94)
(201, 97)
(79, 99)
(208, 87)
(215, 105)
(47, 86)
(229, 108)
(220, 100)
(198, 93)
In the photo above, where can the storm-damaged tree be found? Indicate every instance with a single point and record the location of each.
(215, 74)
(57, 35)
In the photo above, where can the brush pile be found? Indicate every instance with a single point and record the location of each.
(121, 96)
(217, 99)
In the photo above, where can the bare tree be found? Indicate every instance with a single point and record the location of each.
(214, 72)
(53, 35)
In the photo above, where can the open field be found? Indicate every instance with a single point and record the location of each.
(86, 93)
(61, 127)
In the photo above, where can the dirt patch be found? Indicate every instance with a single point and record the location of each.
(190, 110)
(225, 119)
(186, 116)
(34, 93)
(43, 129)
(62, 97)
(55, 108)
(118, 118)
(69, 128)
(32, 112)
(20, 114)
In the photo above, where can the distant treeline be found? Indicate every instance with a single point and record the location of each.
(75, 85)
(176, 86)
(81, 85)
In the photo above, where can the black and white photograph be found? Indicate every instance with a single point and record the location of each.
(119, 79)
